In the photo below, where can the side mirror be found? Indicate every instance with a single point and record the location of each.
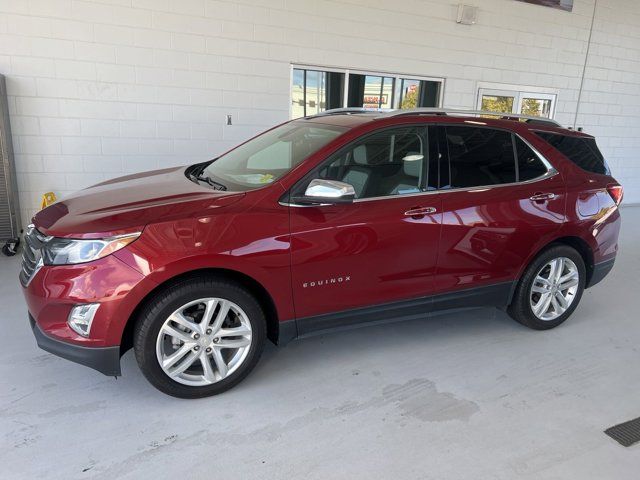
(326, 192)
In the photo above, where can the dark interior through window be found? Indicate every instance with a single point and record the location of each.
(479, 156)
(529, 165)
(582, 151)
(391, 162)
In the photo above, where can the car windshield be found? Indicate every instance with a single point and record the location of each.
(267, 157)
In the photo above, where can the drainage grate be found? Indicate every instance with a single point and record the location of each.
(626, 433)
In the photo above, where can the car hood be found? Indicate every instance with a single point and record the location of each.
(129, 203)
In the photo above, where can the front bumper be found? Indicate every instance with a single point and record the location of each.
(55, 290)
(103, 359)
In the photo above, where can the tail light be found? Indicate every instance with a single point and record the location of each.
(616, 192)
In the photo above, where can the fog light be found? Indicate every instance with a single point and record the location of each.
(81, 317)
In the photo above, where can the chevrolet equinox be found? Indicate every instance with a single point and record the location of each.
(342, 218)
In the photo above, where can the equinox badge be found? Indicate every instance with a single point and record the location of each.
(327, 281)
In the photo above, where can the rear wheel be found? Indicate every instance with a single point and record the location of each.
(550, 288)
(199, 338)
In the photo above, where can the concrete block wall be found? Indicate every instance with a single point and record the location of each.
(610, 103)
(101, 88)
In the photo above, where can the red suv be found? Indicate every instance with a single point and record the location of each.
(343, 218)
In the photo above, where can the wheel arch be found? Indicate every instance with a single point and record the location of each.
(575, 242)
(585, 251)
(253, 286)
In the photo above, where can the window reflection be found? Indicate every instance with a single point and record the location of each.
(495, 103)
(537, 107)
(314, 91)
(370, 91)
(418, 93)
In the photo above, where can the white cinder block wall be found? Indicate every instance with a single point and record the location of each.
(101, 88)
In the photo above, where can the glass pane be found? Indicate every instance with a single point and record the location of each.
(583, 151)
(429, 94)
(387, 92)
(269, 156)
(496, 103)
(409, 93)
(274, 156)
(387, 163)
(297, 94)
(480, 156)
(334, 90)
(529, 165)
(536, 107)
(315, 92)
(309, 92)
(377, 92)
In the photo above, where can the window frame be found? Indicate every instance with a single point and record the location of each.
(551, 170)
(518, 93)
(396, 87)
(340, 130)
(351, 145)
(606, 166)
(434, 133)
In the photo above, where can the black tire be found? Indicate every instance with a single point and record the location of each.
(164, 303)
(520, 308)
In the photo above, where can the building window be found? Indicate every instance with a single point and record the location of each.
(370, 91)
(537, 104)
(314, 90)
(419, 93)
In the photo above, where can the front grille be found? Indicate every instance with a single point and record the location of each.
(31, 254)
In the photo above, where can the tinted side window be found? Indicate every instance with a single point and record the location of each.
(391, 162)
(529, 165)
(580, 150)
(479, 156)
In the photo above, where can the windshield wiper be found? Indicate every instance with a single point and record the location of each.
(209, 180)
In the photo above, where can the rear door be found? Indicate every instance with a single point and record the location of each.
(379, 249)
(500, 200)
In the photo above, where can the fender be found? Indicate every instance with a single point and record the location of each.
(165, 251)
(599, 233)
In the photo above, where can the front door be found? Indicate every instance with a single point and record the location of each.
(382, 248)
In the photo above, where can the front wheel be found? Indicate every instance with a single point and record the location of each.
(550, 288)
(199, 338)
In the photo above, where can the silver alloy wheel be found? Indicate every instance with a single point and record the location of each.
(204, 341)
(554, 288)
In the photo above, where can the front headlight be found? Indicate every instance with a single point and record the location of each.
(66, 251)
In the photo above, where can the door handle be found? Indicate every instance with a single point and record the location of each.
(541, 197)
(419, 211)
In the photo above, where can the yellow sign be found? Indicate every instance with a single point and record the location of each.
(266, 178)
(48, 199)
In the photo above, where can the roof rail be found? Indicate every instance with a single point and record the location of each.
(472, 113)
(348, 110)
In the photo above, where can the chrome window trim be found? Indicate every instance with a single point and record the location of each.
(542, 158)
(299, 205)
(415, 194)
(551, 172)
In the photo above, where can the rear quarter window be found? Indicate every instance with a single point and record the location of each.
(582, 151)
